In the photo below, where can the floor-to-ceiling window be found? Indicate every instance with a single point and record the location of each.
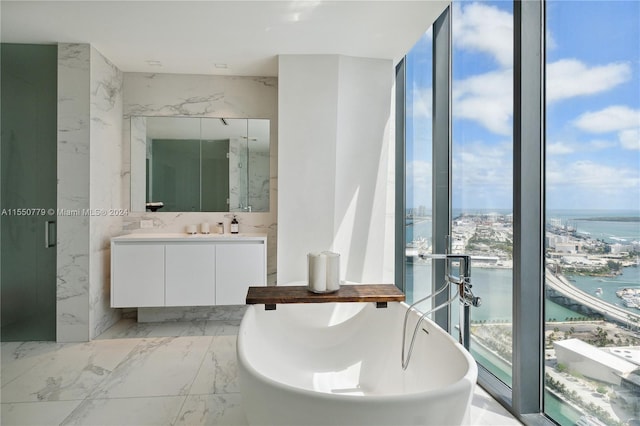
(418, 180)
(482, 170)
(592, 241)
(560, 321)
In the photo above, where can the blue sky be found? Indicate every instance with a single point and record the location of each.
(593, 106)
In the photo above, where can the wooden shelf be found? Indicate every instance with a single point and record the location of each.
(272, 295)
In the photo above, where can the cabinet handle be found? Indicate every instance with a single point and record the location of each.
(49, 225)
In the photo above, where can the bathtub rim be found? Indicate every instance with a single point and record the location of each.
(462, 384)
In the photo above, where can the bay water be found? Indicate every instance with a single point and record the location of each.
(495, 285)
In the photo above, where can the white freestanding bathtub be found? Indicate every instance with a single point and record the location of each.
(340, 364)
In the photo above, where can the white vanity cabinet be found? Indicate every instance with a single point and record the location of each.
(155, 270)
(139, 275)
(238, 266)
(190, 274)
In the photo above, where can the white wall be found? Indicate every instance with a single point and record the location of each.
(335, 165)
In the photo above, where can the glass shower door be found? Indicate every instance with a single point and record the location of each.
(28, 197)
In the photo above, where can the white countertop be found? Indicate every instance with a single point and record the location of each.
(169, 237)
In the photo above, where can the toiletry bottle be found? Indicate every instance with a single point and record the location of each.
(234, 225)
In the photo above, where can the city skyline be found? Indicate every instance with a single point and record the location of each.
(593, 109)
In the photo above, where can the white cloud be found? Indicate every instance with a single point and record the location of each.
(611, 119)
(422, 102)
(420, 174)
(630, 139)
(486, 29)
(560, 148)
(591, 176)
(589, 185)
(483, 175)
(486, 99)
(601, 144)
(621, 119)
(565, 148)
(568, 78)
(481, 164)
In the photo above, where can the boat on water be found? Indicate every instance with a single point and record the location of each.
(630, 296)
(599, 291)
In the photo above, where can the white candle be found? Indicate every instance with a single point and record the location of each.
(333, 270)
(192, 229)
(317, 272)
(204, 228)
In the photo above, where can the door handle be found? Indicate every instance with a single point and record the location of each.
(49, 230)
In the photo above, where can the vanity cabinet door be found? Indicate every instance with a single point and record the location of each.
(137, 275)
(190, 274)
(238, 267)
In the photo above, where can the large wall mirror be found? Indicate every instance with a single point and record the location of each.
(184, 164)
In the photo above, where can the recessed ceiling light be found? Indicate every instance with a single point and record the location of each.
(221, 66)
(154, 63)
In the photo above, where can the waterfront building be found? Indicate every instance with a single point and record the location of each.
(592, 362)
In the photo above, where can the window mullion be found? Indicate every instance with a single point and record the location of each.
(441, 155)
(528, 198)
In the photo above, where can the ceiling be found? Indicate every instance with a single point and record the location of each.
(221, 37)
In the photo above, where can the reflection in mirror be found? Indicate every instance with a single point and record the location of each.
(181, 164)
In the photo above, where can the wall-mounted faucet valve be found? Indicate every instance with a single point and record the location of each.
(464, 294)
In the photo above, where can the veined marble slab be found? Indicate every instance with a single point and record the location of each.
(223, 409)
(192, 313)
(151, 411)
(47, 371)
(156, 367)
(173, 237)
(37, 413)
(219, 371)
(130, 329)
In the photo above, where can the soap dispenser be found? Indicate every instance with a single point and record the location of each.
(234, 225)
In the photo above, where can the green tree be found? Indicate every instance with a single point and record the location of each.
(613, 265)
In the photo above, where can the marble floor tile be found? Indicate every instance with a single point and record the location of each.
(222, 328)
(219, 371)
(61, 371)
(223, 409)
(156, 367)
(151, 411)
(36, 413)
(123, 379)
(179, 328)
(486, 411)
(130, 328)
(18, 357)
(126, 329)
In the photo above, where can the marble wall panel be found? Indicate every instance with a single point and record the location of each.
(259, 180)
(192, 313)
(72, 323)
(105, 186)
